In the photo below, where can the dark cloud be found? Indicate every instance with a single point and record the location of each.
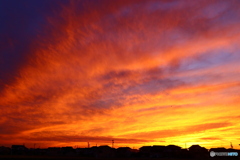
(100, 139)
(211, 138)
(17, 123)
(22, 23)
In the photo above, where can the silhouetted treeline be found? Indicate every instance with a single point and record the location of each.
(156, 151)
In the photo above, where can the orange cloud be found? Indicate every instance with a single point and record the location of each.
(137, 71)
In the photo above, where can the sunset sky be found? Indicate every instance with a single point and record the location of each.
(139, 72)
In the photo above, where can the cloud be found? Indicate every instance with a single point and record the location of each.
(210, 138)
(133, 65)
(181, 131)
(22, 23)
(95, 139)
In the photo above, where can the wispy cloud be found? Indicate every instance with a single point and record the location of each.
(96, 70)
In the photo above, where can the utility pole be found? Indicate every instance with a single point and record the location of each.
(112, 143)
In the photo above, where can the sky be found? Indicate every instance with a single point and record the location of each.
(139, 72)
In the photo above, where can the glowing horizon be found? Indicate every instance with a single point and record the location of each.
(139, 72)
